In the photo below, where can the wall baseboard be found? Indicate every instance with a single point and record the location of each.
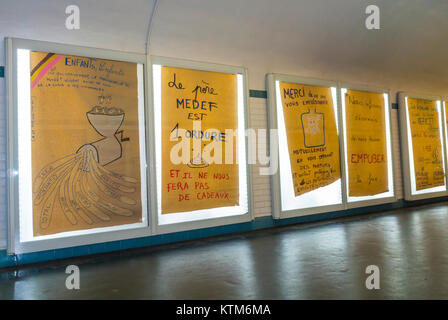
(8, 261)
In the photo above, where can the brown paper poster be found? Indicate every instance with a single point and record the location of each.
(85, 143)
(426, 143)
(366, 143)
(312, 136)
(197, 108)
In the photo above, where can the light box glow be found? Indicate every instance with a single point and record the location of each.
(414, 190)
(324, 196)
(213, 213)
(390, 177)
(25, 158)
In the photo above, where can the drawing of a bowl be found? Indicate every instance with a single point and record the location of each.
(106, 121)
(105, 124)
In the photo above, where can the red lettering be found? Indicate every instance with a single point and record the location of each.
(367, 158)
(183, 197)
(174, 173)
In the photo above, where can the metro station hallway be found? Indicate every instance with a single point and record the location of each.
(310, 261)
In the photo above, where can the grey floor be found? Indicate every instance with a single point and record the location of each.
(318, 261)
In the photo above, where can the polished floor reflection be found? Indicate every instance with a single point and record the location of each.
(319, 261)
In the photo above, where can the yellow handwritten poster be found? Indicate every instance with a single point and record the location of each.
(426, 143)
(312, 136)
(366, 143)
(85, 143)
(199, 108)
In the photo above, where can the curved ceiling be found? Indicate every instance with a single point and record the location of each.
(111, 24)
(317, 38)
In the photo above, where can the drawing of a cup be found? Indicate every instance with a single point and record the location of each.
(197, 161)
(106, 121)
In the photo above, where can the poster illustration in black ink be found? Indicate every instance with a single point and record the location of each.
(312, 136)
(366, 143)
(426, 143)
(85, 143)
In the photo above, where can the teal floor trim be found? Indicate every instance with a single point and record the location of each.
(6, 260)
(257, 224)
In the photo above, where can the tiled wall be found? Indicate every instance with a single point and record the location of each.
(396, 153)
(261, 192)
